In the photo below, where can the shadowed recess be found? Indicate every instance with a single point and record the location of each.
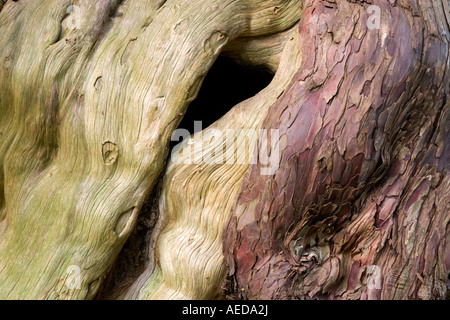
(226, 84)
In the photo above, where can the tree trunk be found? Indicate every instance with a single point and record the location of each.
(353, 203)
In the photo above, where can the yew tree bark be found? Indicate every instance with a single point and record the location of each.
(357, 207)
(363, 183)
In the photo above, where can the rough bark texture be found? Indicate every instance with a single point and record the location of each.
(363, 179)
(362, 185)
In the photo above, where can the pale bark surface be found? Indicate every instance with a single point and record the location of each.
(86, 120)
(86, 117)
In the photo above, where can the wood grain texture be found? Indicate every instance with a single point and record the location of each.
(86, 118)
(197, 196)
(357, 209)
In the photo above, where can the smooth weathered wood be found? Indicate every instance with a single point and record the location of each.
(86, 118)
(357, 209)
(196, 199)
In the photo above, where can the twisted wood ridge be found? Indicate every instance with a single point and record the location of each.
(87, 114)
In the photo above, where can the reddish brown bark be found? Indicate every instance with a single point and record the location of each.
(362, 191)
